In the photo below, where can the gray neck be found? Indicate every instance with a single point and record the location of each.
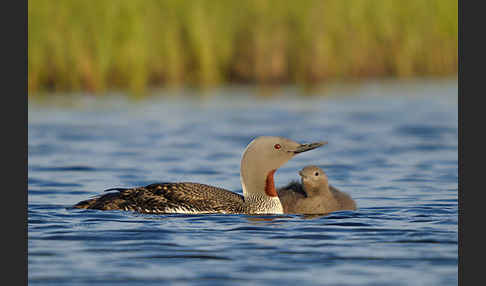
(256, 200)
(252, 184)
(252, 174)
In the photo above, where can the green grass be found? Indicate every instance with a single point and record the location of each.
(124, 44)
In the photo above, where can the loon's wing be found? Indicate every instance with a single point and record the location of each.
(183, 197)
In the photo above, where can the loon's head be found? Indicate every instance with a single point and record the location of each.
(262, 157)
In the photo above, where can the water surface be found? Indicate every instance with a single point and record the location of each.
(392, 147)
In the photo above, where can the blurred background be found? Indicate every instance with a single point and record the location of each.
(133, 46)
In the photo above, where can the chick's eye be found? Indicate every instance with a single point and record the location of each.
(277, 146)
(316, 173)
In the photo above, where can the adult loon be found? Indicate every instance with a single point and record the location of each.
(261, 158)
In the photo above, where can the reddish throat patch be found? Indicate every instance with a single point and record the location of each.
(270, 185)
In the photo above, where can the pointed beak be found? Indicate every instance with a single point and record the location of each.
(310, 146)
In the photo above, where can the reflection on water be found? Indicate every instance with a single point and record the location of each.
(392, 147)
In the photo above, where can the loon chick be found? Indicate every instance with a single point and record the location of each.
(261, 158)
(314, 195)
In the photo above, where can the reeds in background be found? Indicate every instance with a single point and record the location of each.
(125, 44)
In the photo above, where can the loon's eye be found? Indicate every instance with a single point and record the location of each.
(316, 173)
(277, 146)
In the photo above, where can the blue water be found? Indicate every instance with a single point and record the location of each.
(392, 147)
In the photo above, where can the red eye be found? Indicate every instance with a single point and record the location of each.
(277, 146)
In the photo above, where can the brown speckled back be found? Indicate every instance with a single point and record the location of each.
(168, 198)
